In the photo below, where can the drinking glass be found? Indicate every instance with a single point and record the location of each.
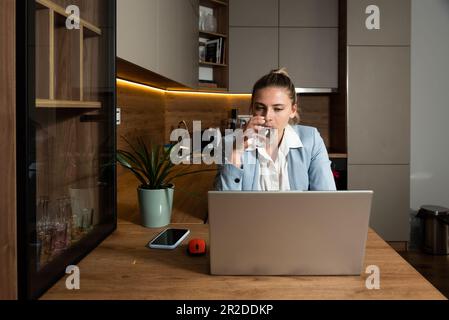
(44, 230)
(61, 230)
(87, 219)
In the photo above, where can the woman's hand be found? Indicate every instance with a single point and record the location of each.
(256, 123)
(251, 131)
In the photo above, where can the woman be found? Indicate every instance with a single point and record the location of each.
(297, 159)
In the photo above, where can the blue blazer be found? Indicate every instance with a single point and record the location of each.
(309, 167)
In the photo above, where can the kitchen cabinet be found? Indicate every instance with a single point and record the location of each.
(252, 53)
(378, 97)
(253, 13)
(306, 44)
(178, 41)
(379, 105)
(63, 201)
(390, 208)
(394, 17)
(310, 56)
(160, 36)
(308, 13)
(137, 32)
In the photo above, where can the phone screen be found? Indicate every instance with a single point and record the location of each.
(169, 237)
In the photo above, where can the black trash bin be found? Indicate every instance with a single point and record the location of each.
(436, 229)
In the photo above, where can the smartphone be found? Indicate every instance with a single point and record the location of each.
(168, 239)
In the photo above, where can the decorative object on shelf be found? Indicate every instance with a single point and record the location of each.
(152, 166)
(202, 20)
(213, 30)
(207, 20)
(210, 23)
(82, 197)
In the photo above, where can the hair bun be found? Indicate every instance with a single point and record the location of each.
(282, 71)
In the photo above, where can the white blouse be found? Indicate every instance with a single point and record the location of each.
(273, 174)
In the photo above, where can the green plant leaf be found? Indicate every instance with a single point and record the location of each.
(141, 151)
(137, 165)
(147, 158)
(165, 166)
(164, 172)
(122, 160)
(151, 164)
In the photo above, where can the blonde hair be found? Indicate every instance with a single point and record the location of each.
(278, 78)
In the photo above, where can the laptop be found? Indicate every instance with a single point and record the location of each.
(288, 233)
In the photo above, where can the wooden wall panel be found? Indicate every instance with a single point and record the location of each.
(315, 111)
(8, 244)
(43, 54)
(212, 110)
(92, 70)
(142, 115)
(67, 61)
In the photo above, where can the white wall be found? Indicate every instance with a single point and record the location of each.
(430, 103)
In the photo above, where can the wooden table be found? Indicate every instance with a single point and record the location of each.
(123, 268)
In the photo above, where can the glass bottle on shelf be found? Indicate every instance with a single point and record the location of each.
(87, 220)
(44, 230)
(202, 21)
(61, 236)
(76, 229)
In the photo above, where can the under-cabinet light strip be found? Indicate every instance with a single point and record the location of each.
(144, 86)
(139, 85)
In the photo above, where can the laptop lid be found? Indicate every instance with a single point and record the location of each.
(288, 233)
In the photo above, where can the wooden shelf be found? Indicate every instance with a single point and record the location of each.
(213, 3)
(206, 34)
(212, 90)
(220, 71)
(212, 64)
(64, 104)
(338, 155)
(67, 75)
(61, 11)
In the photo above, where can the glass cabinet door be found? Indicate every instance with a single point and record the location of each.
(69, 199)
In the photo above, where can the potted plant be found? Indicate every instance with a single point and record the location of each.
(155, 171)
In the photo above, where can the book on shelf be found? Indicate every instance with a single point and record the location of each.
(212, 50)
(223, 52)
(215, 51)
(220, 42)
(202, 49)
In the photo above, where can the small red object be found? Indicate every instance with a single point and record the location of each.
(197, 247)
(336, 174)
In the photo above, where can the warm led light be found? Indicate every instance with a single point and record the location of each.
(221, 94)
(138, 85)
(144, 86)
